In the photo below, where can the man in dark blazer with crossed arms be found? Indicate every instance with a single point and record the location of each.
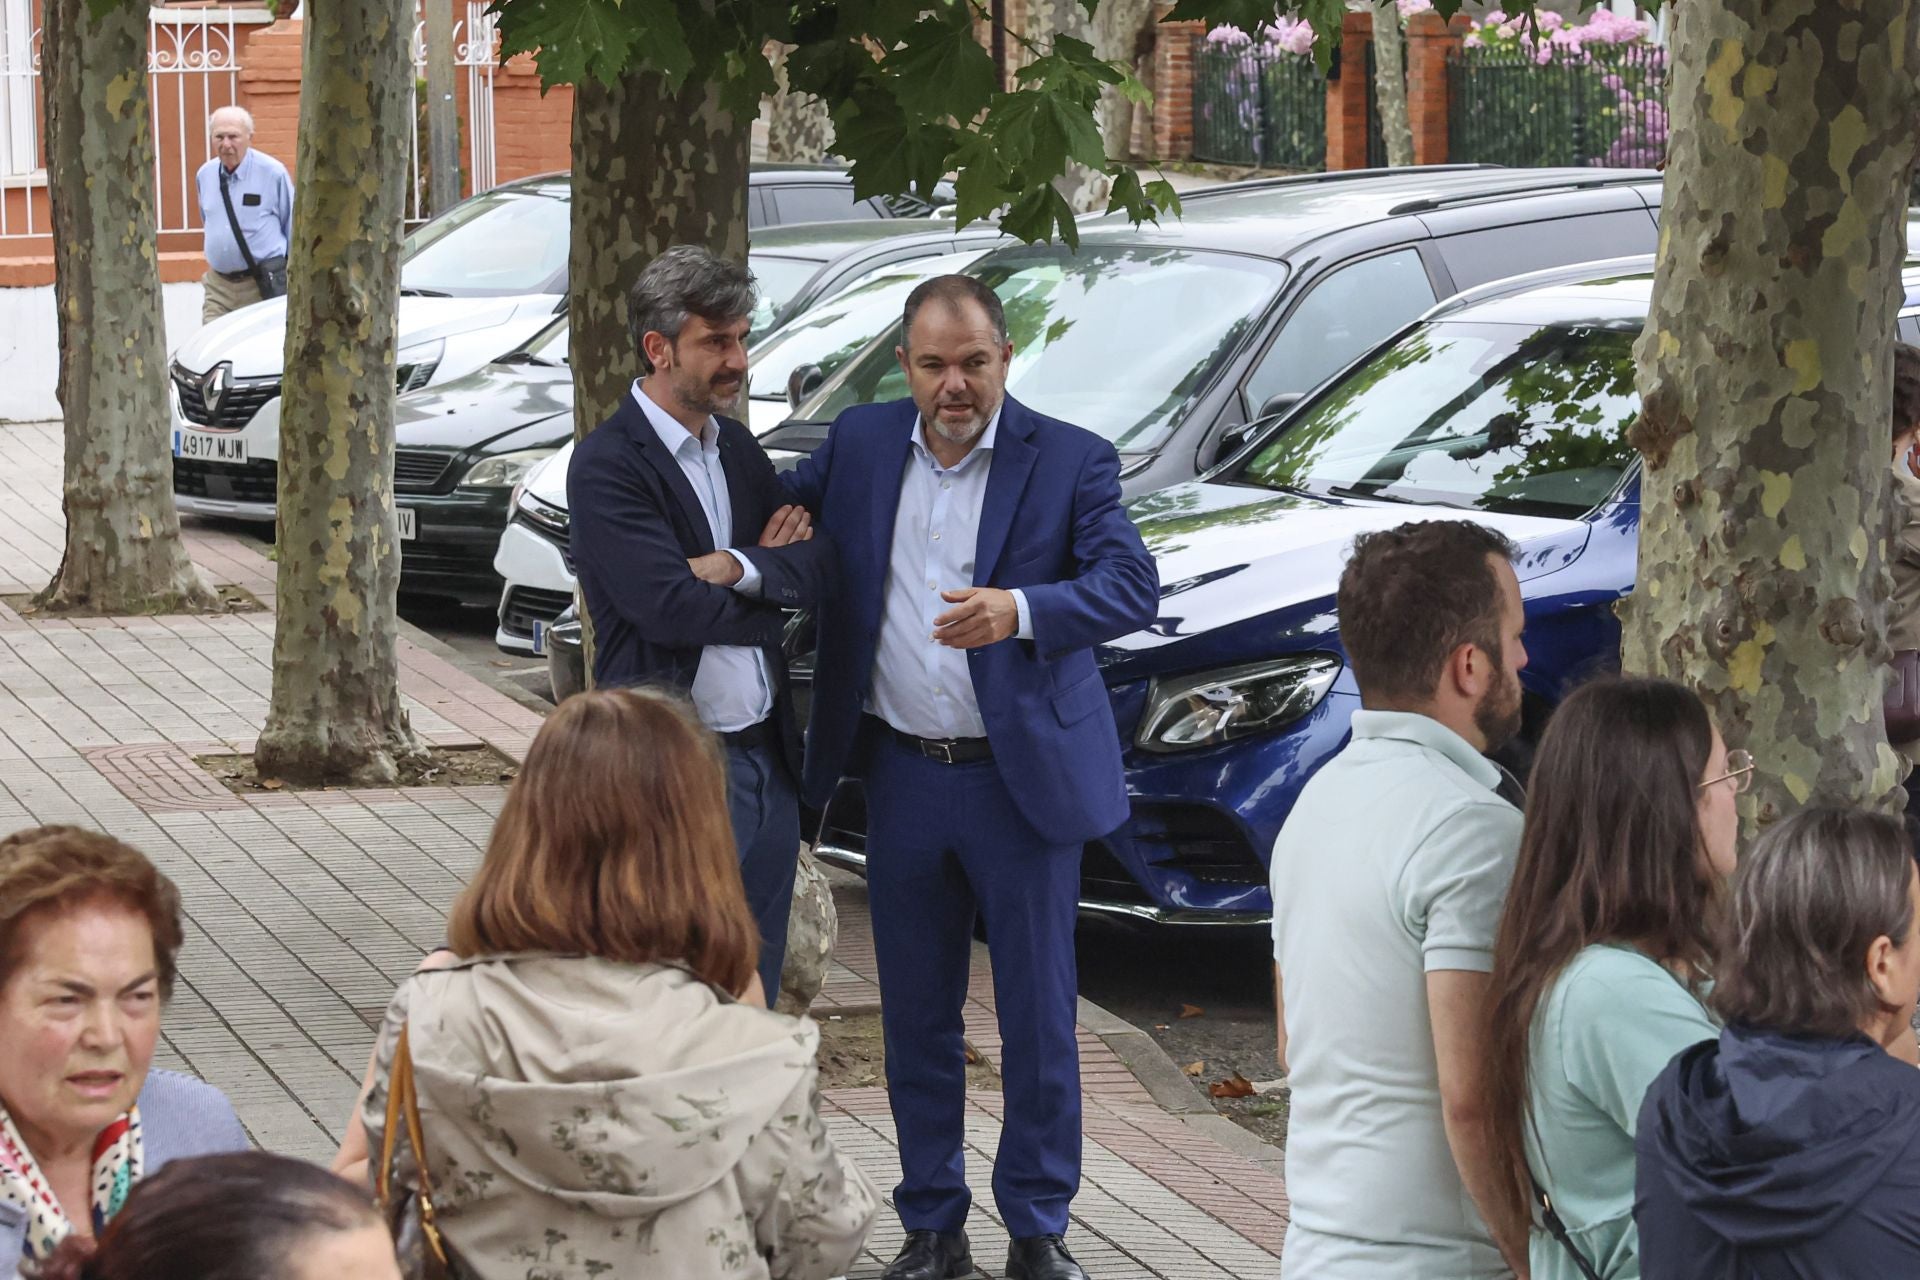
(983, 555)
(687, 556)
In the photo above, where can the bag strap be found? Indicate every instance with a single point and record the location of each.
(233, 219)
(1558, 1230)
(403, 1107)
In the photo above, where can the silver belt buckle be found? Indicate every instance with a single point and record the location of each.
(941, 751)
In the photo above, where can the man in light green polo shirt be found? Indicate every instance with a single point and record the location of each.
(1388, 880)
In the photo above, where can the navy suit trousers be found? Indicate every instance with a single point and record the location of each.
(946, 843)
(765, 809)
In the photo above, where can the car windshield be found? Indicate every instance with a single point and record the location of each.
(779, 280)
(1115, 340)
(550, 346)
(504, 242)
(1484, 417)
(830, 333)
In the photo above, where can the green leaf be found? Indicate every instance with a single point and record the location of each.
(1092, 7)
(980, 179)
(1127, 196)
(940, 70)
(576, 40)
(1164, 197)
(1071, 68)
(1045, 130)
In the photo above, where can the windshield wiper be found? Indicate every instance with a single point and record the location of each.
(1376, 495)
(415, 291)
(527, 357)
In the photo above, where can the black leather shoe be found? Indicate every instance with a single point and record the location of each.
(1042, 1258)
(932, 1255)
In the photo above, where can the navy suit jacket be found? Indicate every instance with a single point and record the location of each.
(1051, 524)
(636, 522)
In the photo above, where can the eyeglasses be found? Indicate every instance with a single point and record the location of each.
(1739, 772)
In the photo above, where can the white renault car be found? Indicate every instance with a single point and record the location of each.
(475, 282)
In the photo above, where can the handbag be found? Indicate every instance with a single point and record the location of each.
(1902, 703)
(1558, 1230)
(409, 1211)
(270, 274)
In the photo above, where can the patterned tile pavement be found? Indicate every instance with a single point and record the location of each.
(304, 910)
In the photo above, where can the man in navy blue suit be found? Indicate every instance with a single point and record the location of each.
(668, 498)
(983, 554)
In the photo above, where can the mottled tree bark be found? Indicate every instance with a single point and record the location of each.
(651, 169)
(1766, 376)
(1390, 83)
(336, 713)
(799, 130)
(123, 551)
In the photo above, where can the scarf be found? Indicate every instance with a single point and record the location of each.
(119, 1158)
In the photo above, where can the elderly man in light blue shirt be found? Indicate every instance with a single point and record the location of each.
(1389, 877)
(246, 208)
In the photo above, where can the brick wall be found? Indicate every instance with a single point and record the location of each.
(532, 133)
(1173, 48)
(1347, 96)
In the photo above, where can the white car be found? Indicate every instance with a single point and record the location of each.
(476, 282)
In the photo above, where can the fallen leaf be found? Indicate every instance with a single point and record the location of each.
(973, 1056)
(502, 662)
(1192, 1011)
(1234, 1086)
(1159, 1026)
(1194, 1068)
(272, 784)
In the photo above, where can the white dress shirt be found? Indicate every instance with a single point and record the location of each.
(921, 686)
(732, 687)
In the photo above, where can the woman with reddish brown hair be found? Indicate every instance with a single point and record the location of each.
(89, 929)
(599, 1086)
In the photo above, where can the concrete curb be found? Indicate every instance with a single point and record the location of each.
(1157, 1073)
(485, 675)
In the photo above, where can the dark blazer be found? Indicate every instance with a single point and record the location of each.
(636, 523)
(1051, 525)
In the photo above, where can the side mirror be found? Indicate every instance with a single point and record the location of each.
(1280, 403)
(803, 382)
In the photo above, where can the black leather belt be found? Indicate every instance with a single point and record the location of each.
(234, 275)
(945, 750)
(754, 735)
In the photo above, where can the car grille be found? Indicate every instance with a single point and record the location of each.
(1104, 879)
(445, 559)
(1200, 841)
(525, 606)
(237, 407)
(419, 470)
(256, 481)
(562, 539)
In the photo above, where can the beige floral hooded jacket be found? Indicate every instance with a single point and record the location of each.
(589, 1119)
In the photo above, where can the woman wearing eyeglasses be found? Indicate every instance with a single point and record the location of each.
(1602, 957)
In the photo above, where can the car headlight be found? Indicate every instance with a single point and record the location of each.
(1211, 707)
(542, 515)
(505, 469)
(414, 366)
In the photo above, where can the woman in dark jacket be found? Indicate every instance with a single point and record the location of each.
(1790, 1146)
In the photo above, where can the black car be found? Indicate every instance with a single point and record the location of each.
(1170, 338)
(780, 194)
(459, 450)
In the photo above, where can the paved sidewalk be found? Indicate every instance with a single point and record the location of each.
(305, 909)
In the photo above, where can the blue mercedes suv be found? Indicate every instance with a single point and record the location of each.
(1508, 405)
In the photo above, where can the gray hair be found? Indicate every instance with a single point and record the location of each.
(686, 280)
(246, 117)
(1808, 902)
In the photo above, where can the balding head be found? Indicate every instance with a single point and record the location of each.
(231, 129)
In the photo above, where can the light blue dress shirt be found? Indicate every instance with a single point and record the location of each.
(732, 687)
(267, 224)
(921, 686)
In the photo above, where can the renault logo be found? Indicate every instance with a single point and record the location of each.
(214, 387)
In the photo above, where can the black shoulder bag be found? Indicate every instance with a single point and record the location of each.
(1558, 1230)
(270, 275)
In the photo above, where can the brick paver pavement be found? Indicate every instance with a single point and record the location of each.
(305, 909)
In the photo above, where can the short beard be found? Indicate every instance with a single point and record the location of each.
(966, 433)
(1498, 714)
(702, 397)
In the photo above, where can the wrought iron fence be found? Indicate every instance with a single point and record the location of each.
(1602, 105)
(475, 47)
(1256, 106)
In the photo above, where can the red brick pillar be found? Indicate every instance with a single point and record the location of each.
(270, 89)
(1173, 46)
(1347, 96)
(1429, 41)
(532, 133)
